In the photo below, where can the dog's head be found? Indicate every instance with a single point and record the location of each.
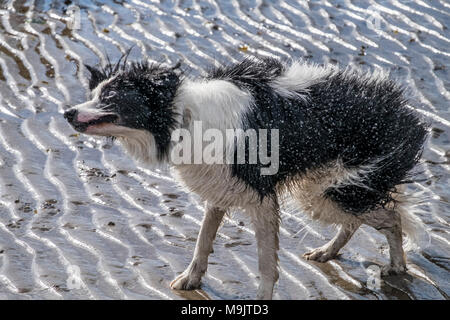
(130, 102)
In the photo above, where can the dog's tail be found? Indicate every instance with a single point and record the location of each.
(417, 235)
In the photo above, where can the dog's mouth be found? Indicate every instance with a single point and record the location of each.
(94, 124)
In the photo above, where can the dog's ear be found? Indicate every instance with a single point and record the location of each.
(97, 76)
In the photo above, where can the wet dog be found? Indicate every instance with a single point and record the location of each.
(346, 143)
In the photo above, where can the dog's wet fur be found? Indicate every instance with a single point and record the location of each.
(348, 142)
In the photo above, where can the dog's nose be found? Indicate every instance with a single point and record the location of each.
(70, 115)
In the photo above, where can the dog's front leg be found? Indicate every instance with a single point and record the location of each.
(191, 277)
(266, 222)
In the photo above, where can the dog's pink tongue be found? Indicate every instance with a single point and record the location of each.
(86, 117)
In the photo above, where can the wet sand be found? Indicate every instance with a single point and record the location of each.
(70, 202)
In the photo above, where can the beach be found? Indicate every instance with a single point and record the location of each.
(79, 219)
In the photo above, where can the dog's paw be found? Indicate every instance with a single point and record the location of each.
(390, 270)
(185, 282)
(320, 254)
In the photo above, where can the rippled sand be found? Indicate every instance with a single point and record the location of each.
(72, 203)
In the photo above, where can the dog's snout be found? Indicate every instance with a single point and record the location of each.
(70, 115)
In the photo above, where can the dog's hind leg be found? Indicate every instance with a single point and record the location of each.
(265, 219)
(191, 277)
(331, 249)
(388, 222)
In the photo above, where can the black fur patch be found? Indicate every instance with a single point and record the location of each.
(99, 75)
(349, 117)
(248, 71)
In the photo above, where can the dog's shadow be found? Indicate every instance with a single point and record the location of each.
(409, 286)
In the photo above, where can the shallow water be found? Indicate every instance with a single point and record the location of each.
(72, 203)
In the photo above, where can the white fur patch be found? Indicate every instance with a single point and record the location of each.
(90, 109)
(298, 77)
(139, 144)
(307, 191)
(215, 184)
(219, 104)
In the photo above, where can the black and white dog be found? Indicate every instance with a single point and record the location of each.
(347, 142)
